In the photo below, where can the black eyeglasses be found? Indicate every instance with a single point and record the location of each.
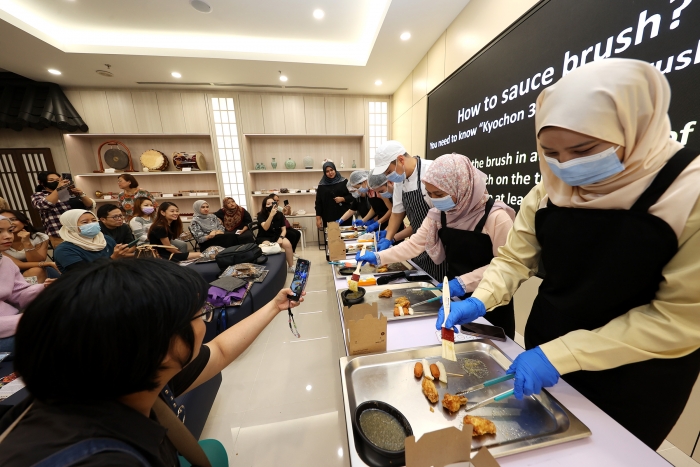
(207, 313)
(116, 217)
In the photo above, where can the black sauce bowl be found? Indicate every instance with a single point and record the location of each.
(384, 407)
(352, 301)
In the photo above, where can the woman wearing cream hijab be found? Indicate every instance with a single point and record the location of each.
(616, 224)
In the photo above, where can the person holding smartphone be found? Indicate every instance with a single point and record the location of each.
(50, 208)
(112, 223)
(273, 229)
(293, 235)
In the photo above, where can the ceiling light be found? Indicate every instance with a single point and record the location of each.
(308, 387)
(378, 82)
(282, 77)
(201, 6)
(175, 74)
(405, 36)
(54, 72)
(319, 14)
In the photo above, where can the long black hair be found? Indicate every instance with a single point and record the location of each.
(263, 208)
(43, 178)
(24, 220)
(102, 331)
(173, 228)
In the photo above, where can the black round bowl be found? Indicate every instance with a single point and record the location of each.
(353, 301)
(347, 271)
(384, 407)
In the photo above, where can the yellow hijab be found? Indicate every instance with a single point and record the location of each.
(624, 102)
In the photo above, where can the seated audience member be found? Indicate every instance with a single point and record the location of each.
(293, 235)
(83, 242)
(46, 201)
(112, 224)
(144, 214)
(272, 229)
(15, 292)
(166, 227)
(208, 230)
(130, 192)
(236, 219)
(138, 342)
(29, 249)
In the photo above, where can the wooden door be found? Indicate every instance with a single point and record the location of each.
(18, 177)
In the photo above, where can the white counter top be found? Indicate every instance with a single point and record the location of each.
(609, 445)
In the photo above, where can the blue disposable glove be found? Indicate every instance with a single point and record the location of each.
(340, 221)
(461, 312)
(358, 223)
(384, 243)
(532, 371)
(372, 226)
(456, 289)
(368, 257)
(382, 234)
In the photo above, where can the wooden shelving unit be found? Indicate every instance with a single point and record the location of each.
(82, 156)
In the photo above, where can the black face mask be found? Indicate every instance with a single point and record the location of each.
(268, 208)
(51, 185)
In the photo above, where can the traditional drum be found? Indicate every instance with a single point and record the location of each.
(154, 160)
(193, 160)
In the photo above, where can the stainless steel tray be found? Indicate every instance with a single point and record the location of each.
(532, 423)
(386, 305)
(371, 269)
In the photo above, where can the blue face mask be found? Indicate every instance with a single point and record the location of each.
(443, 204)
(587, 170)
(90, 230)
(386, 194)
(396, 178)
(363, 190)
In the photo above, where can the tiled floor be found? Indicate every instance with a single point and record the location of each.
(280, 402)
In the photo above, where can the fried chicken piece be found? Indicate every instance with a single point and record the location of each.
(481, 425)
(418, 370)
(429, 390)
(397, 311)
(402, 301)
(386, 294)
(383, 269)
(435, 371)
(453, 403)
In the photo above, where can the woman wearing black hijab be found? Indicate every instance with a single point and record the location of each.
(332, 197)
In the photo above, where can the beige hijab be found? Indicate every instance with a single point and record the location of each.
(70, 232)
(624, 102)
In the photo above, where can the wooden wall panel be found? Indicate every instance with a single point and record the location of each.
(194, 108)
(294, 118)
(172, 117)
(121, 111)
(354, 116)
(273, 113)
(74, 98)
(335, 115)
(250, 114)
(147, 113)
(96, 111)
(315, 115)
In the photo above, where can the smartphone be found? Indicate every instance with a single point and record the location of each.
(286, 202)
(301, 275)
(67, 176)
(132, 243)
(484, 330)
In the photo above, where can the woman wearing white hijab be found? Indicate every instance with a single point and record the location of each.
(83, 242)
(616, 224)
(208, 229)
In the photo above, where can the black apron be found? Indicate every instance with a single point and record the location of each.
(380, 209)
(416, 210)
(467, 250)
(600, 264)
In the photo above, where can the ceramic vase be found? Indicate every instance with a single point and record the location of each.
(342, 163)
(308, 162)
(273, 163)
(354, 166)
(290, 164)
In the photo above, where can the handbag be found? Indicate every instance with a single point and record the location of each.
(271, 248)
(146, 251)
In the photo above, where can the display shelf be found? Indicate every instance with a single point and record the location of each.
(102, 200)
(282, 135)
(285, 194)
(301, 170)
(147, 174)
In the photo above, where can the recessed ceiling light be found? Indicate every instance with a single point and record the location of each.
(54, 72)
(378, 82)
(405, 36)
(308, 387)
(319, 14)
(282, 77)
(175, 74)
(201, 6)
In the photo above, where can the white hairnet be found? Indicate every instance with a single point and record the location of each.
(377, 180)
(358, 177)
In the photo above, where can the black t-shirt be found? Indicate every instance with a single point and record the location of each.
(48, 428)
(121, 234)
(361, 206)
(275, 230)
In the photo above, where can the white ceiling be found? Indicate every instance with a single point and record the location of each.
(240, 42)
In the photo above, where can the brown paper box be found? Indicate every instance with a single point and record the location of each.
(336, 245)
(445, 447)
(366, 333)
